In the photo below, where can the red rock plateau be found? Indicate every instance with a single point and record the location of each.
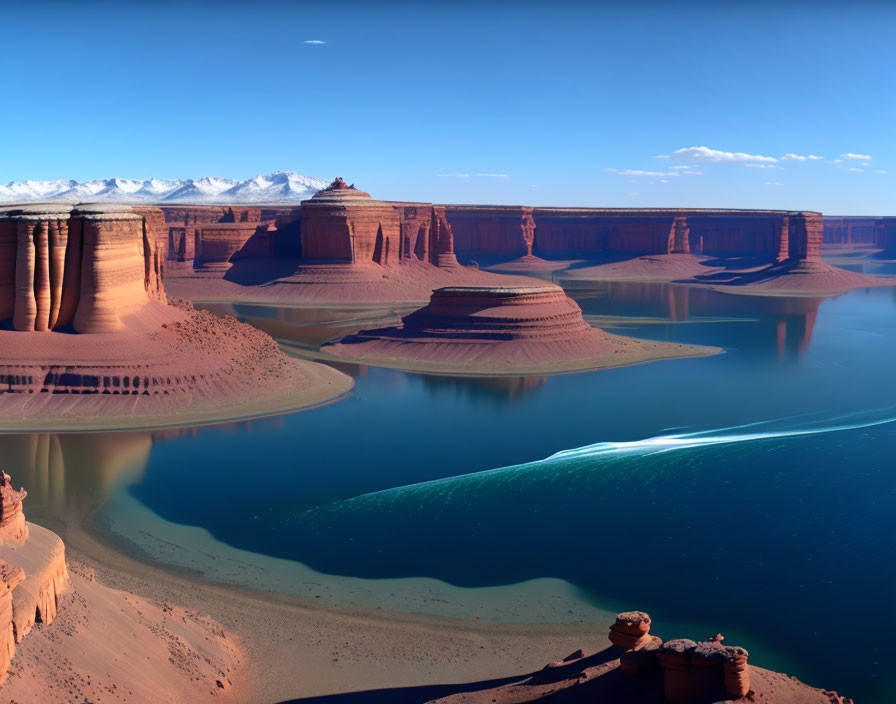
(533, 329)
(343, 247)
(90, 341)
(63, 634)
(640, 668)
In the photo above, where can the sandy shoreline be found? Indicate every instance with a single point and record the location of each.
(649, 351)
(297, 648)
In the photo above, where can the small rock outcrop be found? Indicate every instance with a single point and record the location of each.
(33, 573)
(692, 672)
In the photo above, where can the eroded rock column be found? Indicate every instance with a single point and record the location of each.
(442, 239)
(8, 241)
(679, 237)
(58, 242)
(783, 239)
(25, 312)
(112, 268)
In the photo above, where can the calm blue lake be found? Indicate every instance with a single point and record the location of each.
(753, 491)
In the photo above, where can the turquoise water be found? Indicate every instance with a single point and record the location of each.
(752, 491)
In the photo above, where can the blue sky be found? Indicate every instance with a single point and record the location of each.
(634, 104)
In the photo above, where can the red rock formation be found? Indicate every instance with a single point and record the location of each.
(679, 242)
(342, 223)
(12, 520)
(32, 573)
(691, 673)
(851, 230)
(84, 267)
(630, 630)
(10, 578)
(499, 329)
(886, 228)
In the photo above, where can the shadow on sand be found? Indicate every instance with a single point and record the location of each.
(561, 680)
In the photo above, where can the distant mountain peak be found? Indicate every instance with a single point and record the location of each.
(276, 187)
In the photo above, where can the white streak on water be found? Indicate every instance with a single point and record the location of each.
(779, 428)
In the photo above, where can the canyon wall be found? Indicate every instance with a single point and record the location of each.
(851, 230)
(518, 231)
(886, 237)
(344, 224)
(212, 236)
(83, 267)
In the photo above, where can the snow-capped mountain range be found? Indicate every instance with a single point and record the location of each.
(278, 187)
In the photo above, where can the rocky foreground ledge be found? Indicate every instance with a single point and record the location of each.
(66, 638)
(640, 668)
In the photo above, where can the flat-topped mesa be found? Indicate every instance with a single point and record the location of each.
(521, 329)
(85, 266)
(498, 313)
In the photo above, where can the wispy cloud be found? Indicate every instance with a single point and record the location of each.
(880, 171)
(503, 177)
(773, 183)
(855, 157)
(761, 166)
(797, 157)
(640, 172)
(705, 154)
(314, 41)
(855, 170)
(634, 173)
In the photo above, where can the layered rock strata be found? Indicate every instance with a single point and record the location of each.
(345, 248)
(90, 325)
(505, 329)
(84, 267)
(33, 574)
(65, 637)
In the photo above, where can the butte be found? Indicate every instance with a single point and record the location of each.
(89, 340)
(345, 249)
(503, 330)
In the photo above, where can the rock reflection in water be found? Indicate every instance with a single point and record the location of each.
(781, 326)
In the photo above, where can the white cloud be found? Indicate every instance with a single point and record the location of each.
(880, 171)
(773, 183)
(681, 171)
(797, 157)
(761, 166)
(456, 175)
(853, 168)
(705, 154)
(836, 161)
(503, 177)
(856, 157)
(314, 41)
(640, 172)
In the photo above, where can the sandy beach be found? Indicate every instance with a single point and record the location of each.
(298, 649)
